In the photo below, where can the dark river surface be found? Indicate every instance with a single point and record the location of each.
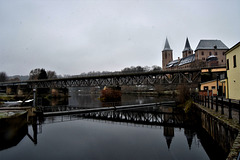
(89, 137)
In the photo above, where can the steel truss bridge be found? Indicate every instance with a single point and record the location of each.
(159, 118)
(139, 117)
(168, 77)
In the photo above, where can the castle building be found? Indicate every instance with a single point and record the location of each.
(167, 55)
(207, 53)
(187, 51)
(211, 48)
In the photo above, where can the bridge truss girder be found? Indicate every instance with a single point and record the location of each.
(138, 117)
(139, 78)
(167, 79)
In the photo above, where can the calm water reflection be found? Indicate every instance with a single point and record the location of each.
(92, 100)
(90, 138)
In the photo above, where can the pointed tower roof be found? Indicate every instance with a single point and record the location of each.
(167, 46)
(187, 46)
(169, 141)
(189, 135)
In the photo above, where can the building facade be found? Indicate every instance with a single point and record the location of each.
(233, 72)
(211, 87)
(210, 48)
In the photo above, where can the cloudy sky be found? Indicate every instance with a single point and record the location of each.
(76, 36)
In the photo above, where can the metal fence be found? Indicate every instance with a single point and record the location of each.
(228, 107)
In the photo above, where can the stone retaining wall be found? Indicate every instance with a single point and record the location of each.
(223, 130)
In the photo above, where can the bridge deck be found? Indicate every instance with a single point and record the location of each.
(106, 109)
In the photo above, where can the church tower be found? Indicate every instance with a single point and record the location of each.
(187, 49)
(167, 55)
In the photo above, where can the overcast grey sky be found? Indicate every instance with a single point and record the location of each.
(75, 36)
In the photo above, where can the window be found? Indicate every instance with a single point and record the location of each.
(222, 60)
(189, 52)
(215, 53)
(210, 53)
(203, 58)
(227, 64)
(223, 53)
(205, 88)
(234, 61)
(202, 53)
(213, 87)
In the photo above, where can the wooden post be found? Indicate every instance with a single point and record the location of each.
(216, 103)
(211, 102)
(208, 102)
(222, 112)
(230, 109)
(205, 101)
(200, 99)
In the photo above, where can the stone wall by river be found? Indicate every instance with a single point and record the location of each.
(222, 133)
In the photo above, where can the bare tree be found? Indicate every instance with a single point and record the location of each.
(33, 75)
(3, 77)
(156, 68)
(51, 74)
(42, 74)
(38, 73)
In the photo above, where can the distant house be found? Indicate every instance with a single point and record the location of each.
(210, 87)
(233, 72)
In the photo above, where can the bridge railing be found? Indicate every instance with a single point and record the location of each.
(227, 107)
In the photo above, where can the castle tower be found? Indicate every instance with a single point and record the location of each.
(187, 49)
(189, 135)
(168, 132)
(167, 55)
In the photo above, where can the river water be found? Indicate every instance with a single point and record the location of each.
(94, 137)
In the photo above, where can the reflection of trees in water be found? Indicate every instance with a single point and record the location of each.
(141, 99)
(41, 101)
(92, 100)
(84, 100)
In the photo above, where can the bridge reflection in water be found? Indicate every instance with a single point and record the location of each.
(168, 119)
(154, 117)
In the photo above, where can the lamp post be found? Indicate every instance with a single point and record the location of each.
(34, 97)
